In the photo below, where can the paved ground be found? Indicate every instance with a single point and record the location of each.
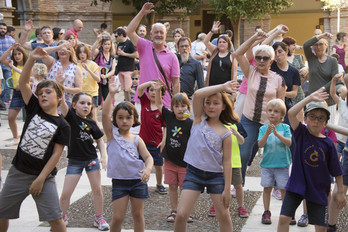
(28, 221)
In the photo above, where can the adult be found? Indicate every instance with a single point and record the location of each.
(103, 28)
(222, 65)
(229, 33)
(77, 27)
(102, 51)
(340, 48)
(263, 85)
(147, 49)
(5, 43)
(177, 34)
(58, 34)
(126, 61)
(64, 70)
(141, 32)
(190, 69)
(322, 68)
(11, 31)
(45, 33)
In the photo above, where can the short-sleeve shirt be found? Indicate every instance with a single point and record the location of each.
(15, 76)
(83, 131)
(43, 45)
(149, 68)
(291, 76)
(151, 123)
(124, 63)
(178, 134)
(40, 133)
(261, 89)
(275, 153)
(343, 118)
(89, 85)
(5, 44)
(314, 160)
(236, 161)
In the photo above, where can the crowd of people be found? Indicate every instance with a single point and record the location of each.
(185, 111)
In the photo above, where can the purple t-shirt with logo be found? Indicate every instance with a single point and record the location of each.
(315, 159)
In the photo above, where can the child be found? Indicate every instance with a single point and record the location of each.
(178, 129)
(275, 138)
(83, 155)
(18, 59)
(125, 166)
(314, 160)
(39, 74)
(151, 128)
(208, 155)
(44, 136)
(135, 82)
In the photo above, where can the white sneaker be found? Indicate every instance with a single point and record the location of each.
(101, 224)
(12, 142)
(277, 194)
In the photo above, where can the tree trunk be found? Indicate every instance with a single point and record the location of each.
(236, 32)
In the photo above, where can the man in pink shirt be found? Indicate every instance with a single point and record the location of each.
(76, 28)
(148, 67)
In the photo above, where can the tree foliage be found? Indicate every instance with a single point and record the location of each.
(334, 4)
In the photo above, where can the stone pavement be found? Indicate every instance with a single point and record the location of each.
(28, 221)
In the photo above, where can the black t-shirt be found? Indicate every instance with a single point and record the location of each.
(125, 63)
(81, 143)
(40, 133)
(291, 76)
(178, 133)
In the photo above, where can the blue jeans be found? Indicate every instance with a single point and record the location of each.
(6, 92)
(252, 129)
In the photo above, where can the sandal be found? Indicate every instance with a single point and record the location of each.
(190, 219)
(171, 216)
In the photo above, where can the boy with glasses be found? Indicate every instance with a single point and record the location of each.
(314, 160)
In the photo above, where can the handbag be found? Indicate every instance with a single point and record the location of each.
(170, 90)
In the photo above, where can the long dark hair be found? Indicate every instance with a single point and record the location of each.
(130, 108)
(25, 56)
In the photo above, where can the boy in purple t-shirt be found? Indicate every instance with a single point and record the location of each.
(314, 160)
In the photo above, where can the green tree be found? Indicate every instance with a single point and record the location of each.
(235, 10)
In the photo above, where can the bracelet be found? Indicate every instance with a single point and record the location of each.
(211, 31)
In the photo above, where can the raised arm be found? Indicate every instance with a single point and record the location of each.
(23, 83)
(144, 86)
(239, 54)
(158, 98)
(24, 35)
(132, 26)
(200, 94)
(94, 49)
(211, 47)
(280, 29)
(3, 58)
(333, 88)
(64, 108)
(107, 109)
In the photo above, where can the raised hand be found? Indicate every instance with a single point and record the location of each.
(231, 86)
(337, 77)
(282, 28)
(15, 46)
(260, 35)
(60, 76)
(113, 85)
(157, 84)
(148, 8)
(38, 54)
(216, 26)
(28, 25)
(319, 95)
(326, 35)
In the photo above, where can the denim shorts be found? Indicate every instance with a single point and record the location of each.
(132, 188)
(156, 154)
(317, 214)
(17, 101)
(75, 167)
(277, 177)
(197, 180)
(345, 166)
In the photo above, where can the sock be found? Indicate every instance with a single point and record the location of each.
(332, 226)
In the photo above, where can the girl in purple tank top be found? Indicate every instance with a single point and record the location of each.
(208, 154)
(128, 172)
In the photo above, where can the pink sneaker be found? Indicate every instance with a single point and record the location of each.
(211, 212)
(243, 213)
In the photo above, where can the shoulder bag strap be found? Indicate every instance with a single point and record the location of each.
(161, 70)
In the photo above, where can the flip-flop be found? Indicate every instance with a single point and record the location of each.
(171, 216)
(190, 219)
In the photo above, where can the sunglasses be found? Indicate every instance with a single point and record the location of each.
(107, 37)
(264, 58)
(134, 79)
(312, 117)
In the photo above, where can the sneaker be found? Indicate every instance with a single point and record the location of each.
(266, 217)
(292, 221)
(101, 224)
(161, 189)
(65, 219)
(12, 142)
(276, 194)
(331, 228)
(211, 212)
(243, 213)
(303, 221)
(233, 193)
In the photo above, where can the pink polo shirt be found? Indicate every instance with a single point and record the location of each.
(71, 31)
(149, 70)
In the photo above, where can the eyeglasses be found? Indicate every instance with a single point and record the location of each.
(318, 44)
(312, 117)
(264, 58)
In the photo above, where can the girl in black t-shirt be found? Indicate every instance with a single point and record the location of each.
(82, 155)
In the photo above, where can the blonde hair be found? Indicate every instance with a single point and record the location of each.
(40, 70)
(278, 103)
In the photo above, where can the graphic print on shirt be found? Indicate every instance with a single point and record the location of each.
(273, 142)
(174, 143)
(313, 156)
(37, 137)
(84, 135)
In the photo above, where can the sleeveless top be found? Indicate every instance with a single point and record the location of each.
(342, 53)
(124, 161)
(204, 148)
(220, 70)
(104, 66)
(69, 81)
